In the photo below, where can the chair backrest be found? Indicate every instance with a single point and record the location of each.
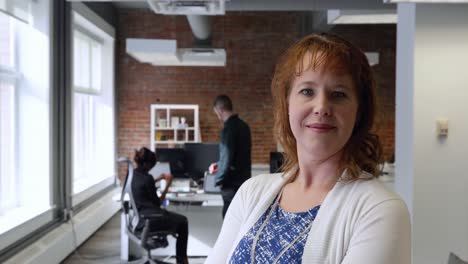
(132, 217)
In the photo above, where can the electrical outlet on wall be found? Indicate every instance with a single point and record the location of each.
(442, 127)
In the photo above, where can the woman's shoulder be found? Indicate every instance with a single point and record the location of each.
(262, 185)
(264, 181)
(363, 199)
(370, 192)
(375, 188)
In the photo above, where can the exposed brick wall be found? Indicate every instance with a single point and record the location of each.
(253, 42)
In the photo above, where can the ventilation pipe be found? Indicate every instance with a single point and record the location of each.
(199, 15)
(201, 28)
(165, 52)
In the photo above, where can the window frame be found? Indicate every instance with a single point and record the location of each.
(94, 27)
(25, 220)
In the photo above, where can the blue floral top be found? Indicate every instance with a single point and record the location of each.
(281, 230)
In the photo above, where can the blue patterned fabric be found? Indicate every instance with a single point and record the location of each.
(282, 228)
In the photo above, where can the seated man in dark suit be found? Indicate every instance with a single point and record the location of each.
(147, 202)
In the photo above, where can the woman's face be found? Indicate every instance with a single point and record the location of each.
(322, 112)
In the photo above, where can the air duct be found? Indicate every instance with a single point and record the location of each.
(199, 15)
(201, 29)
(188, 7)
(164, 52)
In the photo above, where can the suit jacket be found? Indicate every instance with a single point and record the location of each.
(235, 164)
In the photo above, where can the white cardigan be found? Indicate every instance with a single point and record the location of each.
(359, 222)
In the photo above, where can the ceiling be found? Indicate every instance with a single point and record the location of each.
(317, 20)
(276, 5)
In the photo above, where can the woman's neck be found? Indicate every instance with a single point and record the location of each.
(321, 174)
(314, 181)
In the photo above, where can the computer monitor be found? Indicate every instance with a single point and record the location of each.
(198, 157)
(276, 161)
(176, 159)
(160, 168)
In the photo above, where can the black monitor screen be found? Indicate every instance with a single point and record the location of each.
(276, 161)
(199, 157)
(176, 159)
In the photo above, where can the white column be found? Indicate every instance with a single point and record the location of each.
(432, 83)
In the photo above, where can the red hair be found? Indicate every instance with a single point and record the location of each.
(330, 53)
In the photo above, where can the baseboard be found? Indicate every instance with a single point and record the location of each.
(56, 245)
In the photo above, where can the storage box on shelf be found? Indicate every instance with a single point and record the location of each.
(174, 124)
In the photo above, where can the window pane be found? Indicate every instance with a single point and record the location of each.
(25, 190)
(76, 61)
(6, 41)
(93, 109)
(96, 67)
(83, 139)
(8, 191)
(81, 61)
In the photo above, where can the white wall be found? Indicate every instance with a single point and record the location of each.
(438, 64)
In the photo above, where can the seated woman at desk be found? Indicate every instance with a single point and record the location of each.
(147, 201)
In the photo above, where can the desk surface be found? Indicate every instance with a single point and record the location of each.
(205, 198)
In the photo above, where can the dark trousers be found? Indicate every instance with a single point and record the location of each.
(175, 223)
(228, 195)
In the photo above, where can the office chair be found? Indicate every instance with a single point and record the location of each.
(145, 238)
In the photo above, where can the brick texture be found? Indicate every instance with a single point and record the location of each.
(253, 42)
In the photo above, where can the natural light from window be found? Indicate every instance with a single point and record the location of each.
(25, 178)
(93, 105)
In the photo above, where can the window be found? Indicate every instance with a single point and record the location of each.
(8, 195)
(86, 86)
(87, 63)
(93, 107)
(32, 196)
(25, 124)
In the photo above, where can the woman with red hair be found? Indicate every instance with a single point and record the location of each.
(327, 205)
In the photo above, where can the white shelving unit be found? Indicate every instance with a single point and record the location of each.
(167, 128)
